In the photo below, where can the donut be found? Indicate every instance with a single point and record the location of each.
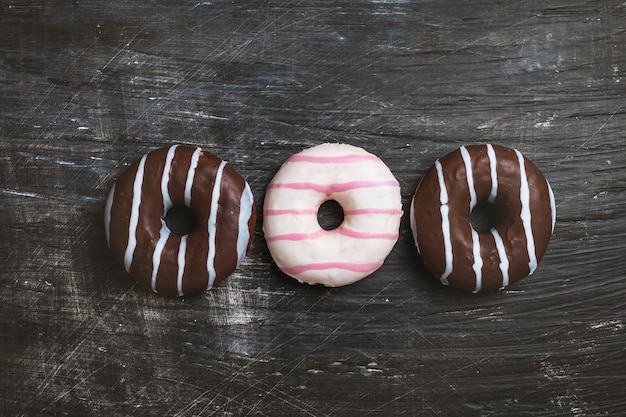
(369, 196)
(222, 206)
(514, 195)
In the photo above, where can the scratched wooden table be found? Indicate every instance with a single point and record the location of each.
(87, 87)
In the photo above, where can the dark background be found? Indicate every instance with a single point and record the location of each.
(87, 87)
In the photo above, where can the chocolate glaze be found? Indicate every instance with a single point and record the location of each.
(184, 262)
(467, 273)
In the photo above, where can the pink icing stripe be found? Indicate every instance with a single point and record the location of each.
(373, 211)
(341, 159)
(329, 189)
(278, 212)
(354, 267)
(342, 231)
(294, 236)
(366, 235)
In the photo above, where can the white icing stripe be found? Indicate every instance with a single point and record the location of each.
(504, 260)
(182, 252)
(478, 260)
(134, 214)
(413, 224)
(443, 191)
(467, 160)
(215, 196)
(552, 206)
(245, 211)
(525, 214)
(164, 233)
(445, 223)
(190, 175)
(165, 179)
(447, 242)
(107, 215)
(491, 153)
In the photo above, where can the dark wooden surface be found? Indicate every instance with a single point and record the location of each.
(87, 87)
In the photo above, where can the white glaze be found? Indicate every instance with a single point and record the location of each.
(191, 172)
(164, 234)
(525, 214)
(491, 153)
(182, 252)
(412, 223)
(165, 179)
(504, 260)
(369, 195)
(212, 226)
(445, 223)
(477, 266)
(469, 175)
(134, 215)
(552, 206)
(245, 211)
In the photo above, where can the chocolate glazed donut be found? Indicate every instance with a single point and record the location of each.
(222, 205)
(522, 216)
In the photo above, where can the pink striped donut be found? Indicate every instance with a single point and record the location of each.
(220, 200)
(369, 195)
(523, 216)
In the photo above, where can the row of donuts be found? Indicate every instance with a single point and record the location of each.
(500, 182)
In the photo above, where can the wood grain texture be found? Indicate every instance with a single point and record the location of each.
(87, 87)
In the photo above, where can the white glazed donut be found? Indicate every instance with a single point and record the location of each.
(369, 195)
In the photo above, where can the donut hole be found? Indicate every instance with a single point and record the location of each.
(330, 215)
(180, 220)
(484, 217)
